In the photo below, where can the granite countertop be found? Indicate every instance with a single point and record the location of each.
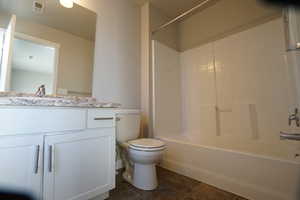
(22, 99)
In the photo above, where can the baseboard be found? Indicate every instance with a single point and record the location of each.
(119, 164)
(102, 196)
(249, 191)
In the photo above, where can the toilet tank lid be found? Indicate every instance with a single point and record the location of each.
(147, 143)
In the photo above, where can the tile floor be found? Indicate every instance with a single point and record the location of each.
(172, 186)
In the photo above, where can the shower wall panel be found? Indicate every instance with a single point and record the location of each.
(244, 77)
(232, 93)
(167, 83)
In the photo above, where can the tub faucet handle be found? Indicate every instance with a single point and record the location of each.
(294, 117)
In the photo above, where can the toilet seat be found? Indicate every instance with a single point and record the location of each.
(147, 144)
(147, 149)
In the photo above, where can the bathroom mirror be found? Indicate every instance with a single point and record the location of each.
(45, 43)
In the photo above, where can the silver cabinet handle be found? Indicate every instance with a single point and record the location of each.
(50, 158)
(289, 136)
(36, 159)
(103, 118)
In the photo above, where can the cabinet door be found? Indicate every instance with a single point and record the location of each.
(21, 164)
(79, 165)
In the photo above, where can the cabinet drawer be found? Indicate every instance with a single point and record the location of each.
(100, 118)
(40, 120)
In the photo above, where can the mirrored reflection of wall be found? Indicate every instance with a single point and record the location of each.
(33, 65)
(75, 56)
(1, 44)
(26, 81)
(72, 29)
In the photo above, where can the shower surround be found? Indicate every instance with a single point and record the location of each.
(220, 108)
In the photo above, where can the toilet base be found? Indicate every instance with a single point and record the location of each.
(140, 167)
(144, 176)
(127, 177)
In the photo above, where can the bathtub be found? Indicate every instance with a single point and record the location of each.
(252, 176)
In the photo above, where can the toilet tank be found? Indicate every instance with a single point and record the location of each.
(128, 125)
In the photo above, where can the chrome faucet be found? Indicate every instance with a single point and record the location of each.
(294, 117)
(292, 136)
(41, 91)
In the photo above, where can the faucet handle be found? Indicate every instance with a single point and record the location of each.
(41, 91)
(294, 117)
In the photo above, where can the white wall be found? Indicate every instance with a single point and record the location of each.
(146, 100)
(117, 51)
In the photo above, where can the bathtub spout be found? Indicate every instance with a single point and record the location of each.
(289, 136)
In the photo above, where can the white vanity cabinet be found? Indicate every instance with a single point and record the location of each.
(21, 161)
(64, 164)
(78, 165)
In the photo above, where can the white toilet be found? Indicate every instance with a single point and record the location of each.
(139, 155)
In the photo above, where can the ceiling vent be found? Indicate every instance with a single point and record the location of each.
(38, 7)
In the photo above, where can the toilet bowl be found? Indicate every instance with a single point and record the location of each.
(144, 159)
(139, 156)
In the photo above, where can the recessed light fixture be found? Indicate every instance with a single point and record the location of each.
(67, 3)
